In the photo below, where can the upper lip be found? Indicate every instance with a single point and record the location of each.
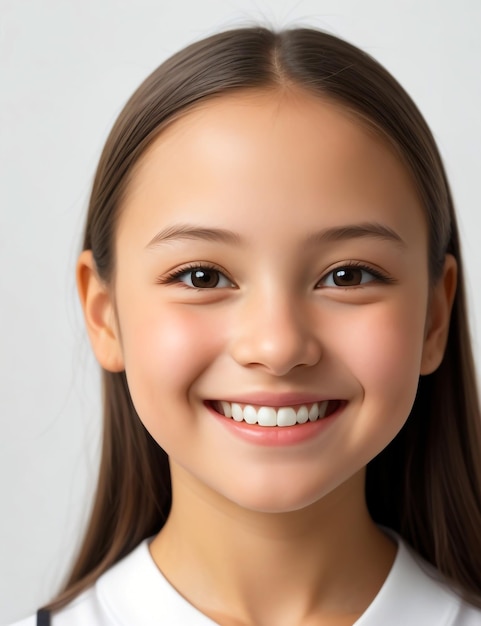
(263, 398)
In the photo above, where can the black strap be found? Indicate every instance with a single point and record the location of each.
(43, 617)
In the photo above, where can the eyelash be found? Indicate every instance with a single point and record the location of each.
(378, 276)
(173, 276)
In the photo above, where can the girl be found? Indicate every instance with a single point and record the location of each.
(272, 284)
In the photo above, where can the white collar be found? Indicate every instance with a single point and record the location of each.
(134, 591)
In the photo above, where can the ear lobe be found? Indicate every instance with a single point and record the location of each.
(438, 318)
(99, 314)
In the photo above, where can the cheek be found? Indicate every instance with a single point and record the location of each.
(382, 346)
(165, 350)
(380, 349)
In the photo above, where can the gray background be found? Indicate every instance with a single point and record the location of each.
(66, 68)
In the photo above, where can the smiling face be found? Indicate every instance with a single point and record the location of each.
(271, 253)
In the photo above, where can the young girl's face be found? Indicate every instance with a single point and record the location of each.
(272, 253)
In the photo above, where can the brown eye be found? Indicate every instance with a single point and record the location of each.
(200, 277)
(349, 276)
(204, 278)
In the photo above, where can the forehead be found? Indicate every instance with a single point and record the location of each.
(270, 154)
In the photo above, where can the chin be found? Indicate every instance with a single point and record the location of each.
(277, 499)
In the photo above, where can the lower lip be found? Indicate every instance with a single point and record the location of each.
(276, 436)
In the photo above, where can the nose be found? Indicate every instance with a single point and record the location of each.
(277, 334)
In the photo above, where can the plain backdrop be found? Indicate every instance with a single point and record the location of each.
(66, 68)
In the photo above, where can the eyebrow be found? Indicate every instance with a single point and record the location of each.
(179, 232)
(357, 231)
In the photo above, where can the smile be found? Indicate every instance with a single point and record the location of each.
(276, 416)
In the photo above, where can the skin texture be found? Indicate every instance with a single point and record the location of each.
(274, 167)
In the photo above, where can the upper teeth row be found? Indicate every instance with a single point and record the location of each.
(269, 416)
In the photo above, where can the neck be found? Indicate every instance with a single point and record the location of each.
(267, 568)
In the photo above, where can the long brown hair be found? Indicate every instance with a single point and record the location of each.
(426, 484)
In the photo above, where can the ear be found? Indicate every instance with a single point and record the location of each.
(99, 314)
(438, 317)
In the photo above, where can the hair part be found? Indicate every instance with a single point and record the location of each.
(426, 484)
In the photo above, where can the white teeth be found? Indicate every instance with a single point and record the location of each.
(226, 408)
(250, 414)
(269, 416)
(237, 412)
(266, 416)
(286, 417)
(314, 412)
(302, 415)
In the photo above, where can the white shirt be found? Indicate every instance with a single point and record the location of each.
(135, 593)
